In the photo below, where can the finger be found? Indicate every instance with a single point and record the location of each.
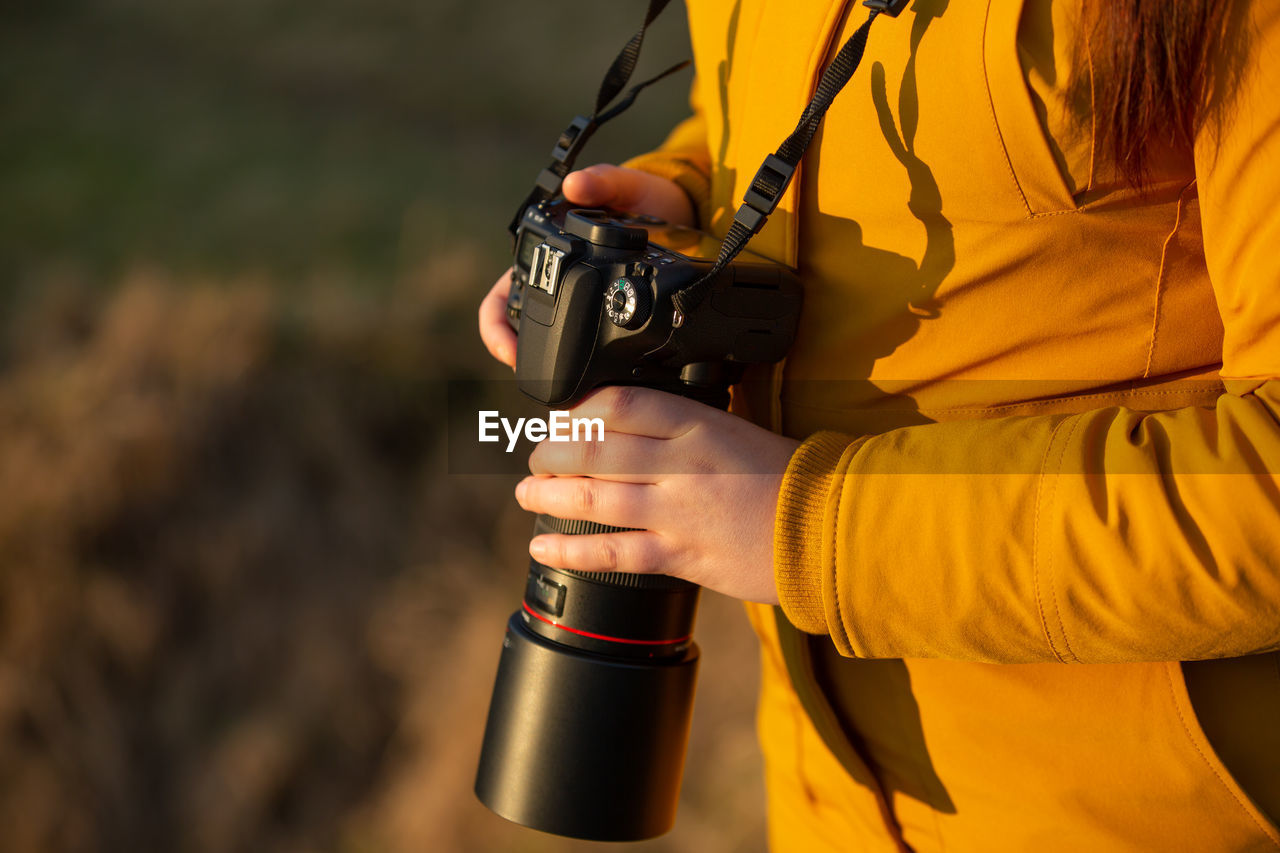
(632, 190)
(496, 334)
(587, 499)
(620, 457)
(645, 412)
(634, 551)
(606, 185)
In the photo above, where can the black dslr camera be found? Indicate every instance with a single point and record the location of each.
(591, 707)
(590, 713)
(591, 301)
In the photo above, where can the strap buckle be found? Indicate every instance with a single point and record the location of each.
(572, 139)
(769, 184)
(766, 189)
(892, 8)
(563, 156)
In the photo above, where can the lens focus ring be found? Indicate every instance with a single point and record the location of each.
(574, 527)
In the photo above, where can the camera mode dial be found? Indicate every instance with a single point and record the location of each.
(626, 303)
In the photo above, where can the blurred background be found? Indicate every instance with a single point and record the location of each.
(243, 603)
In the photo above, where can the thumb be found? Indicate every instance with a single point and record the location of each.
(606, 185)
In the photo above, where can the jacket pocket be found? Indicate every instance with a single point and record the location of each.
(1032, 165)
(1203, 753)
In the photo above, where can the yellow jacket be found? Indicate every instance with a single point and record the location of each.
(1042, 431)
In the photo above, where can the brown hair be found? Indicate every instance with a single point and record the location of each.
(1156, 70)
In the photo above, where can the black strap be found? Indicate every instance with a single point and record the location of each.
(575, 136)
(615, 79)
(774, 176)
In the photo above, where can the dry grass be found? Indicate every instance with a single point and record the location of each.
(242, 607)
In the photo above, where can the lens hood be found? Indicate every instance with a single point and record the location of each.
(585, 745)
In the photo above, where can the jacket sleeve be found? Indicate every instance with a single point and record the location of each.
(1106, 536)
(685, 159)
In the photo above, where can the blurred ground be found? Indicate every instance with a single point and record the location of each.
(242, 604)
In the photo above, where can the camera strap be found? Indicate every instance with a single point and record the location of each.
(769, 183)
(774, 175)
(575, 136)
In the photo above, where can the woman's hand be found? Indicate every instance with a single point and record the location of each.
(499, 338)
(596, 186)
(701, 483)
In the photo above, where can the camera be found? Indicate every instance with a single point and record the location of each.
(593, 698)
(591, 708)
(591, 301)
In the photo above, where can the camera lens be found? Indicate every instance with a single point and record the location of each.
(615, 613)
(591, 706)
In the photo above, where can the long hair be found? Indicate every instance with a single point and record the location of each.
(1156, 71)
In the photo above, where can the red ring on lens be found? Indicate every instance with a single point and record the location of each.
(605, 637)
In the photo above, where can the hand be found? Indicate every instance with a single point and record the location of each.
(701, 483)
(595, 186)
(499, 339)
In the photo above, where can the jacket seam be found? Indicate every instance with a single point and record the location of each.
(1172, 392)
(1042, 214)
(991, 111)
(1053, 586)
(1160, 289)
(1035, 544)
(1093, 113)
(1058, 400)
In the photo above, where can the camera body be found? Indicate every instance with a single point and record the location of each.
(591, 303)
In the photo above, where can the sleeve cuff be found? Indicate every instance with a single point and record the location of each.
(809, 491)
